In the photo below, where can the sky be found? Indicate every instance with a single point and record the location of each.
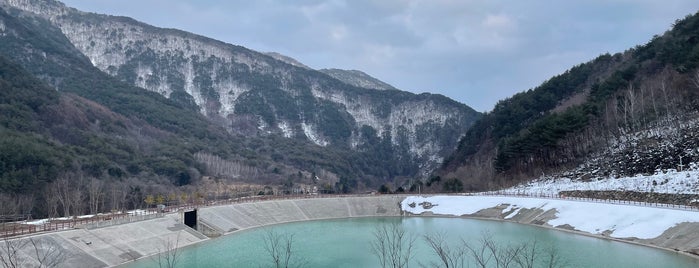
(474, 51)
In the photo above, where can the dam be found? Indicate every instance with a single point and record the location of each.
(107, 246)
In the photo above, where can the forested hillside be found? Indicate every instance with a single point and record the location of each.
(77, 140)
(257, 94)
(593, 111)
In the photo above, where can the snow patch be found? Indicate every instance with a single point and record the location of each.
(287, 131)
(312, 135)
(622, 220)
(38, 222)
(228, 95)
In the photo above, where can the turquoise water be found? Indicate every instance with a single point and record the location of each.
(347, 243)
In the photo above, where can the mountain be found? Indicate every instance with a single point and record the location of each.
(617, 115)
(358, 79)
(254, 94)
(287, 59)
(290, 127)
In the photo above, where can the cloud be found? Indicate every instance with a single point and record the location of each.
(498, 22)
(475, 51)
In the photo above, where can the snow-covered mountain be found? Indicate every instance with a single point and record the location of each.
(358, 78)
(254, 93)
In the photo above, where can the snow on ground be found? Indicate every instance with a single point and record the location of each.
(670, 181)
(137, 212)
(38, 222)
(594, 218)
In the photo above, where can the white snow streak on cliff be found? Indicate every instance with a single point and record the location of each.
(287, 131)
(230, 91)
(408, 114)
(111, 44)
(312, 135)
(178, 57)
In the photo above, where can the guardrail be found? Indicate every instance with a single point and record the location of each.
(20, 228)
(588, 199)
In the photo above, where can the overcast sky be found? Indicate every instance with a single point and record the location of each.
(474, 51)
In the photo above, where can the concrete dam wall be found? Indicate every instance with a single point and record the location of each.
(107, 246)
(227, 219)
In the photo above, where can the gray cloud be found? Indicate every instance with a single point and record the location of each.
(474, 51)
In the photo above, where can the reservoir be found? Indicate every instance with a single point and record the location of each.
(347, 243)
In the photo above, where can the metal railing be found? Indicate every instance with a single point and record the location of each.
(588, 199)
(22, 228)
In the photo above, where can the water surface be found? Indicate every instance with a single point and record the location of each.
(347, 243)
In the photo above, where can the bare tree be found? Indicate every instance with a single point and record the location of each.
(553, 258)
(528, 256)
(51, 201)
(169, 254)
(48, 253)
(664, 90)
(280, 249)
(95, 195)
(118, 195)
(392, 245)
(481, 253)
(448, 257)
(62, 191)
(486, 252)
(15, 206)
(77, 195)
(11, 251)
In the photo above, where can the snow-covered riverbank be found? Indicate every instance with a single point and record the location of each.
(615, 220)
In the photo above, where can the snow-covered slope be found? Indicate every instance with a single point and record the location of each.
(358, 78)
(620, 221)
(669, 181)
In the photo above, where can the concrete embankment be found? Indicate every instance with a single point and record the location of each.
(111, 245)
(119, 244)
(666, 228)
(682, 238)
(106, 246)
(227, 219)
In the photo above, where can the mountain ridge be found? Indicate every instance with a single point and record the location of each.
(239, 87)
(602, 118)
(358, 78)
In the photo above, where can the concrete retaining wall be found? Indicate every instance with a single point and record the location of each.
(231, 218)
(119, 244)
(106, 246)
(112, 245)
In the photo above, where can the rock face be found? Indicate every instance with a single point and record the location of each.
(253, 93)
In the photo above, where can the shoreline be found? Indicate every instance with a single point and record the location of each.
(683, 234)
(569, 231)
(429, 215)
(140, 239)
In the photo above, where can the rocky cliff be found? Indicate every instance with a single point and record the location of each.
(253, 93)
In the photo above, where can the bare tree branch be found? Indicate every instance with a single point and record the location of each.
(48, 253)
(280, 249)
(169, 254)
(393, 245)
(449, 257)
